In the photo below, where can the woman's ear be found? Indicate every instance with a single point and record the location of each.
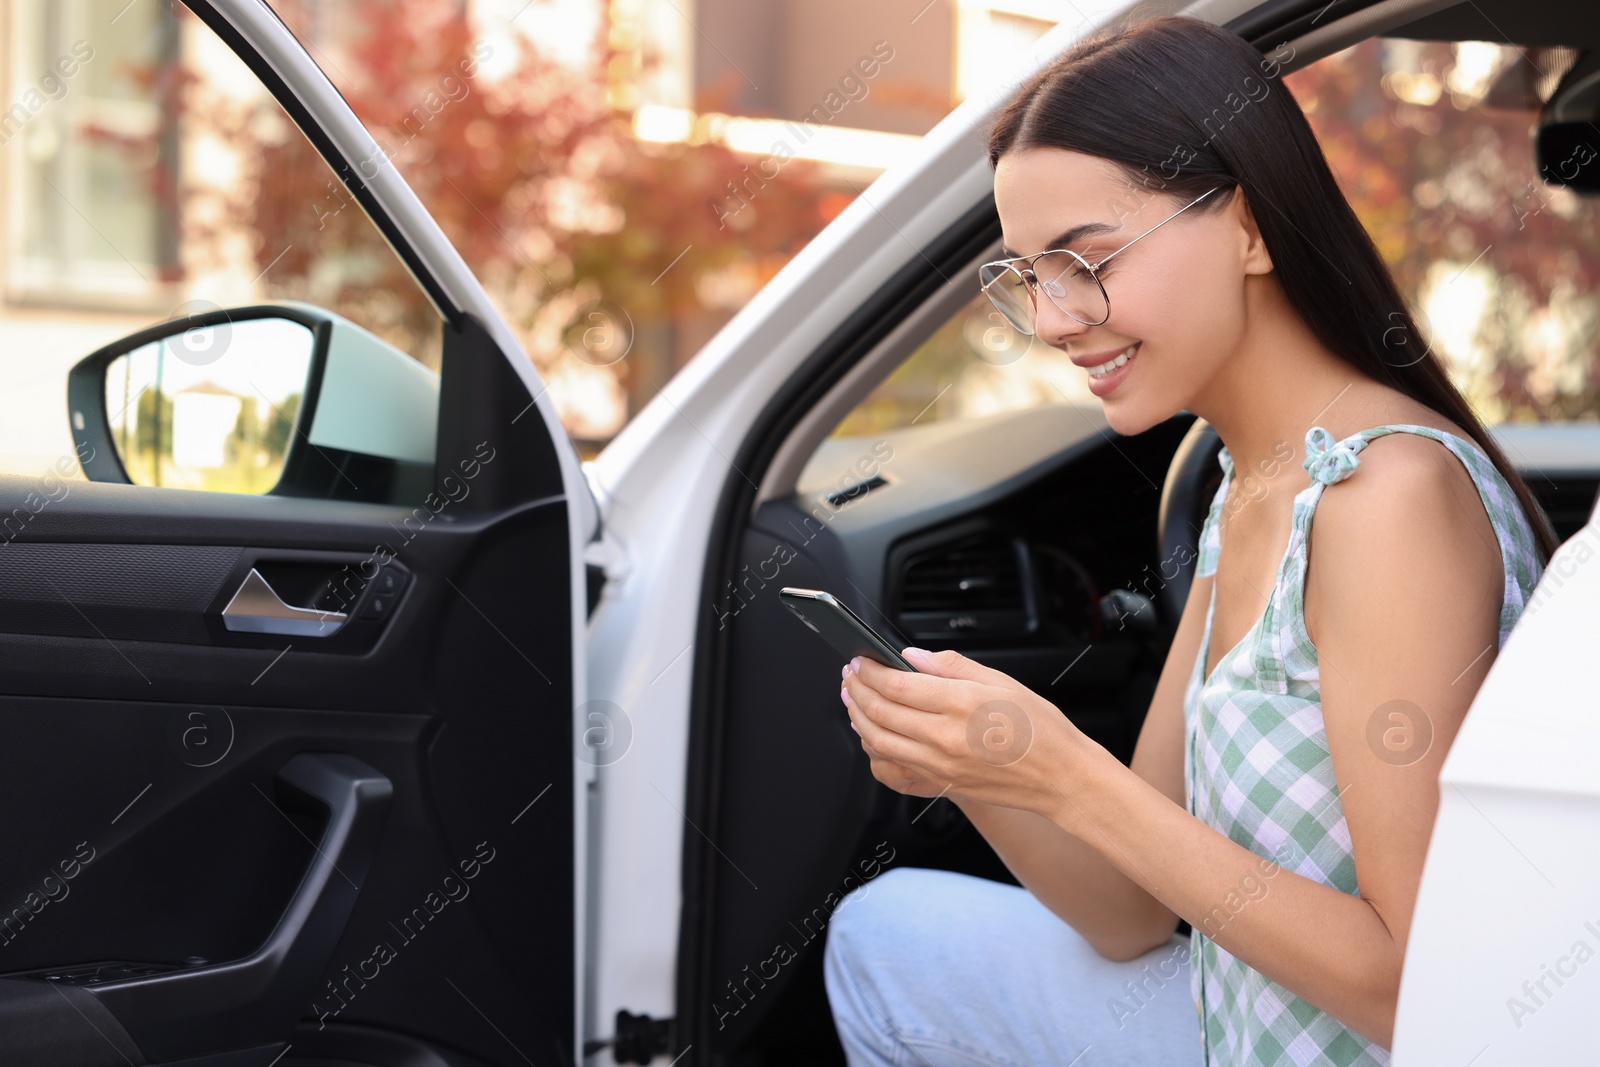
(1257, 260)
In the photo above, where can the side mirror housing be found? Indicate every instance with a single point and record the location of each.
(286, 399)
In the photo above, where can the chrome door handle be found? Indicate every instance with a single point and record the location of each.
(256, 609)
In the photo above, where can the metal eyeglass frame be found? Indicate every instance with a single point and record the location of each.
(1025, 273)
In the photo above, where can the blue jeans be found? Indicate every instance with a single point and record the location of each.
(928, 968)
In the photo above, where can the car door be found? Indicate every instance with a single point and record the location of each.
(1515, 792)
(287, 771)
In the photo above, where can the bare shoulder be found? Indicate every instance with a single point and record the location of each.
(1408, 521)
(1406, 486)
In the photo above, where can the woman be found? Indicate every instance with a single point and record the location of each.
(1284, 785)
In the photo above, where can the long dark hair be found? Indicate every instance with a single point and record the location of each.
(1182, 105)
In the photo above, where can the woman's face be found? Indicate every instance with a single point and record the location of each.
(1178, 293)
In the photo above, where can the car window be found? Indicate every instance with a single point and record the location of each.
(1431, 143)
(974, 364)
(150, 178)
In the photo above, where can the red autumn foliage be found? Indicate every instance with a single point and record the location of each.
(534, 176)
(1449, 183)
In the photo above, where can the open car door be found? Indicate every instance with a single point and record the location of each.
(287, 771)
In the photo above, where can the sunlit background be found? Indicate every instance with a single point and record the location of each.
(623, 175)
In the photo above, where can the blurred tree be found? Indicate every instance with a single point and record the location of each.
(275, 435)
(1443, 181)
(536, 179)
(152, 443)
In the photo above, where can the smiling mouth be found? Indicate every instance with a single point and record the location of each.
(1110, 365)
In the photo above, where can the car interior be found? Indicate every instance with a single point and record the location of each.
(1033, 539)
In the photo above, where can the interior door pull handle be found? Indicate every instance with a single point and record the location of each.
(256, 1000)
(256, 609)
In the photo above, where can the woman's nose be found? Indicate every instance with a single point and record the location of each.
(1052, 325)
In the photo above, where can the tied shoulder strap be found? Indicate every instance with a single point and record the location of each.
(1328, 461)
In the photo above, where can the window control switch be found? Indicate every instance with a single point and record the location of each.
(384, 590)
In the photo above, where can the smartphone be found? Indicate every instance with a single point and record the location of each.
(840, 627)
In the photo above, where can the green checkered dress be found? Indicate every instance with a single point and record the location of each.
(1257, 766)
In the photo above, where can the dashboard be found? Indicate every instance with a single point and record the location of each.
(1001, 537)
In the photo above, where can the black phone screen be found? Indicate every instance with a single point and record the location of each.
(842, 628)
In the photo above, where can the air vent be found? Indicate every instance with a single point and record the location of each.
(978, 585)
(855, 492)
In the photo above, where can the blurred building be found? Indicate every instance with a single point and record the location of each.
(839, 82)
(847, 86)
(86, 259)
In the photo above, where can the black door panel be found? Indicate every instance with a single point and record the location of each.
(293, 767)
(63, 1027)
(133, 617)
(201, 1005)
(167, 859)
(148, 592)
(145, 742)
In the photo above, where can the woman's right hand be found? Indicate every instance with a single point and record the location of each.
(908, 779)
(903, 778)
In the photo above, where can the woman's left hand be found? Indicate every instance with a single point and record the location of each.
(977, 730)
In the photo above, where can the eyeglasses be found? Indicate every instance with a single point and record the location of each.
(1065, 277)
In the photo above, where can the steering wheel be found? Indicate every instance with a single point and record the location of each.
(1192, 480)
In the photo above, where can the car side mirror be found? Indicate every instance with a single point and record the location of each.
(1566, 145)
(285, 399)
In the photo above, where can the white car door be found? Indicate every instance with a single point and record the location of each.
(1500, 965)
